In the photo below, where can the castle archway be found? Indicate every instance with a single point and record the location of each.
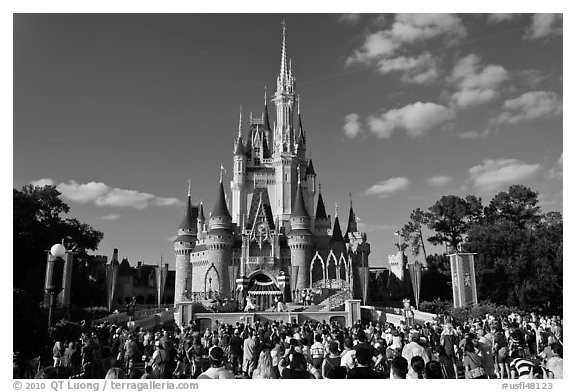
(263, 290)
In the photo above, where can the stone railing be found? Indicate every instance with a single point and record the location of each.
(338, 299)
(337, 284)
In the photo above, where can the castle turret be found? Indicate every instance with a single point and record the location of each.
(237, 184)
(183, 246)
(358, 249)
(219, 242)
(310, 187)
(201, 223)
(300, 240)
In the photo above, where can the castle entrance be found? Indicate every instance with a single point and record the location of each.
(263, 289)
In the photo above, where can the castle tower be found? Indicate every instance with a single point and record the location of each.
(201, 223)
(237, 184)
(219, 242)
(283, 159)
(310, 188)
(183, 246)
(300, 241)
(358, 249)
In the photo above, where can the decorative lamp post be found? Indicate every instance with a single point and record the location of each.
(54, 272)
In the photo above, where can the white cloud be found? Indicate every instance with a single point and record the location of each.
(492, 174)
(412, 28)
(381, 48)
(110, 217)
(530, 106)
(439, 180)
(544, 26)
(352, 127)
(103, 195)
(83, 193)
(42, 182)
(498, 18)
(167, 201)
(351, 19)
(387, 187)
(417, 119)
(557, 170)
(472, 135)
(477, 84)
(418, 70)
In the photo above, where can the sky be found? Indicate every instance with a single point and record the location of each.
(118, 111)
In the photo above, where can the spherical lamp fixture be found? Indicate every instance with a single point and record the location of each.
(58, 250)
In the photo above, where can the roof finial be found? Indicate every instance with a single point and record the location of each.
(298, 169)
(350, 195)
(319, 187)
(336, 210)
(299, 99)
(222, 170)
(189, 186)
(283, 59)
(240, 123)
(265, 96)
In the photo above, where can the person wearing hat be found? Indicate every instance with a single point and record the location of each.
(414, 349)
(216, 369)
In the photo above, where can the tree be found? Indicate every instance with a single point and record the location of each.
(37, 225)
(412, 231)
(451, 217)
(519, 252)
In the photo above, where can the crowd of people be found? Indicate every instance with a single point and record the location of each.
(517, 346)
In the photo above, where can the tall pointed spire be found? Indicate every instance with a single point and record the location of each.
(266, 118)
(352, 223)
(336, 231)
(220, 207)
(299, 209)
(283, 63)
(240, 124)
(320, 207)
(190, 214)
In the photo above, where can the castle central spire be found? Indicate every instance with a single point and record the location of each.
(283, 63)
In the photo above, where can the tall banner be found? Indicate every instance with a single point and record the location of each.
(415, 270)
(293, 282)
(463, 279)
(161, 272)
(232, 272)
(112, 272)
(364, 278)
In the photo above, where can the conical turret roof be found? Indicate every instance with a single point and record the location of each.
(220, 208)
(266, 118)
(321, 208)
(310, 169)
(299, 209)
(239, 146)
(336, 232)
(201, 217)
(352, 223)
(190, 216)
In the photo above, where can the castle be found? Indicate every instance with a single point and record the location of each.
(277, 241)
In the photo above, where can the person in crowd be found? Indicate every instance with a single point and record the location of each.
(249, 359)
(217, 369)
(362, 368)
(555, 363)
(297, 366)
(417, 367)
(57, 354)
(484, 346)
(264, 368)
(414, 349)
(115, 373)
(158, 361)
(317, 352)
(472, 362)
(399, 368)
(331, 362)
(433, 370)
